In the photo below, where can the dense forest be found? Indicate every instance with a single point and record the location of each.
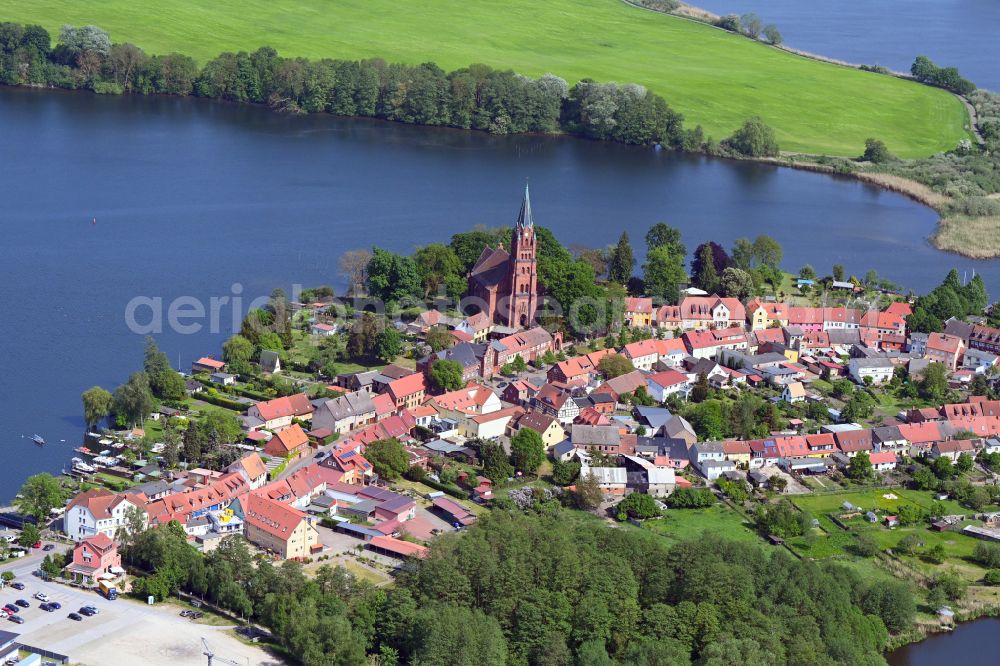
(550, 587)
(476, 97)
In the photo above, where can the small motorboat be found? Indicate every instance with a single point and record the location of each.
(37, 439)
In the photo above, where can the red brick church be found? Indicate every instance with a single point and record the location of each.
(507, 282)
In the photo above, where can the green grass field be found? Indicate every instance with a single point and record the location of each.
(687, 524)
(714, 78)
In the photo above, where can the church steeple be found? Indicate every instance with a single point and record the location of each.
(524, 217)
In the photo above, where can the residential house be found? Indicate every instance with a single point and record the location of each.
(546, 425)
(607, 439)
(737, 451)
(951, 449)
(95, 557)
(662, 385)
(407, 392)
(852, 442)
(556, 400)
(520, 392)
(222, 379)
(875, 370)
(668, 317)
(207, 365)
(979, 360)
(470, 400)
(639, 312)
(944, 348)
(622, 385)
(477, 326)
(97, 511)
(289, 442)
(346, 413)
(820, 444)
(702, 312)
(279, 412)
(323, 330)
(883, 461)
(888, 438)
(708, 343)
(984, 338)
(702, 452)
(584, 368)
(491, 425)
(794, 392)
(528, 345)
(270, 361)
(467, 354)
(761, 314)
(252, 469)
(277, 527)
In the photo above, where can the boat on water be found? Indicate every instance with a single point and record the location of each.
(37, 439)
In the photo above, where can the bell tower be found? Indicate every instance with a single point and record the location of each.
(523, 302)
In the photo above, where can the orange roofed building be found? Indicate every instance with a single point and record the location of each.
(288, 442)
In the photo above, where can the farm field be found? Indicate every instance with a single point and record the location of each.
(714, 78)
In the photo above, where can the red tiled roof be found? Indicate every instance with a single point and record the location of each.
(287, 440)
(276, 518)
(400, 547)
(210, 363)
(292, 405)
(882, 457)
(668, 378)
(404, 387)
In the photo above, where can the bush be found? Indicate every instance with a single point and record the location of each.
(987, 554)
(637, 505)
(877, 152)
(753, 139)
(992, 577)
(691, 498)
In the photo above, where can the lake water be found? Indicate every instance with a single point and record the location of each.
(970, 644)
(956, 33)
(191, 197)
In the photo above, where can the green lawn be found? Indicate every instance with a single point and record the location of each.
(714, 78)
(821, 503)
(687, 524)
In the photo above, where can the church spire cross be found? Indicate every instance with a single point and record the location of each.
(524, 217)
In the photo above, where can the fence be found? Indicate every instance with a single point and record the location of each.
(47, 654)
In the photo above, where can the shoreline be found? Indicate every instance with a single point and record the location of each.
(911, 189)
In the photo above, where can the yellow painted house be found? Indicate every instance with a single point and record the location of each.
(763, 315)
(546, 425)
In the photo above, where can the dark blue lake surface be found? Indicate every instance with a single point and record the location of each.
(970, 644)
(956, 33)
(191, 197)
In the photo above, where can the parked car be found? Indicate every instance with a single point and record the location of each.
(41, 596)
(48, 547)
(74, 616)
(17, 585)
(86, 611)
(11, 609)
(185, 613)
(4, 615)
(22, 603)
(93, 610)
(17, 619)
(194, 615)
(46, 607)
(37, 544)
(55, 605)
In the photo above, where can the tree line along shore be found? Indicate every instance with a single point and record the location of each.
(962, 184)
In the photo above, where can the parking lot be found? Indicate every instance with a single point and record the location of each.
(124, 632)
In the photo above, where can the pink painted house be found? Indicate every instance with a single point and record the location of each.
(95, 557)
